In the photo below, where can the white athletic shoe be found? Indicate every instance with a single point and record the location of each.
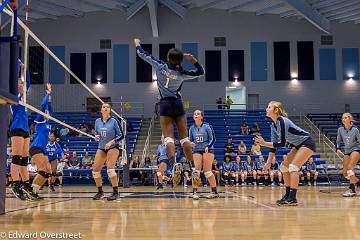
(349, 193)
(195, 196)
(212, 195)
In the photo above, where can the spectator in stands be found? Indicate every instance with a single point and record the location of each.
(67, 154)
(8, 174)
(87, 161)
(256, 149)
(216, 171)
(250, 168)
(242, 149)
(255, 130)
(244, 130)
(64, 131)
(260, 172)
(60, 170)
(275, 171)
(83, 129)
(32, 130)
(229, 147)
(135, 163)
(229, 102)
(311, 171)
(219, 103)
(74, 161)
(226, 170)
(146, 175)
(237, 169)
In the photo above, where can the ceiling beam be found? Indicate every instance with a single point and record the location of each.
(324, 3)
(153, 7)
(211, 4)
(338, 6)
(57, 7)
(97, 6)
(353, 12)
(342, 10)
(310, 14)
(351, 18)
(269, 9)
(289, 13)
(135, 8)
(175, 7)
(242, 5)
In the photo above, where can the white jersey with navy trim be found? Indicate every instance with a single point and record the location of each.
(203, 137)
(284, 130)
(350, 139)
(169, 81)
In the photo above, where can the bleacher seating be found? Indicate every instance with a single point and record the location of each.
(81, 144)
(328, 123)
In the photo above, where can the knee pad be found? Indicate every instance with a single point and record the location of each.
(44, 174)
(350, 173)
(293, 168)
(284, 169)
(168, 140)
(96, 174)
(209, 174)
(24, 161)
(16, 159)
(158, 174)
(184, 140)
(111, 173)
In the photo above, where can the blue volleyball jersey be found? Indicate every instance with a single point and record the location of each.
(42, 128)
(310, 167)
(260, 165)
(237, 167)
(109, 130)
(227, 166)
(54, 151)
(203, 137)
(274, 166)
(284, 130)
(169, 81)
(161, 153)
(249, 167)
(350, 139)
(19, 112)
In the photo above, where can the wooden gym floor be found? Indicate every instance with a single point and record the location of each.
(143, 213)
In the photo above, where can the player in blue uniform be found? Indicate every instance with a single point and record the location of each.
(348, 137)
(284, 130)
(275, 171)
(55, 153)
(164, 162)
(20, 141)
(260, 172)
(170, 77)
(250, 168)
(109, 134)
(38, 146)
(311, 171)
(202, 139)
(237, 171)
(226, 169)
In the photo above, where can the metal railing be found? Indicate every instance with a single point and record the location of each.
(148, 140)
(321, 138)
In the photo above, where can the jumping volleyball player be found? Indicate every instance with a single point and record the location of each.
(170, 77)
(38, 146)
(349, 136)
(284, 130)
(108, 134)
(20, 141)
(202, 137)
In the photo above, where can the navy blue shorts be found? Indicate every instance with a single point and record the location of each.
(171, 107)
(308, 143)
(36, 150)
(348, 154)
(18, 132)
(203, 151)
(107, 150)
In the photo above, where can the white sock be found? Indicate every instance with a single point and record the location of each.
(35, 188)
